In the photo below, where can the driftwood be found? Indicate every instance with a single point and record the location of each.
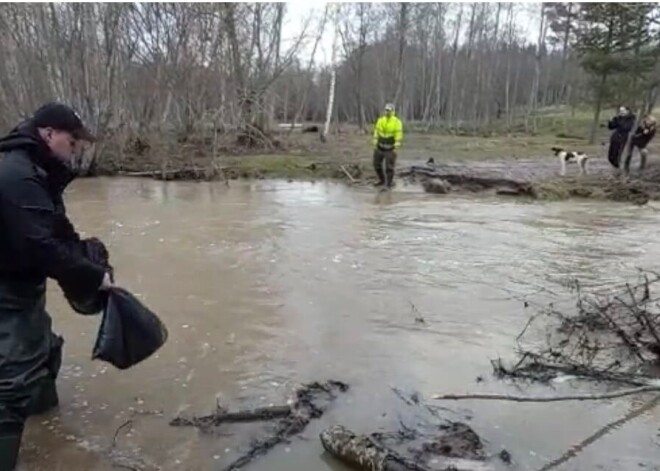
(578, 397)
(309, 401)
(434, 443)
(612, 336)
(223, 417)
(174, 174)
(346, 172)
(364, 453)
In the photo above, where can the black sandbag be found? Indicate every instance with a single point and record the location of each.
(89, 303)
(129, 331)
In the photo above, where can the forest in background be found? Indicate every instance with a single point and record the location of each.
(138, 70)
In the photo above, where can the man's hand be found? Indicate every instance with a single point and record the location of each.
(107, 283)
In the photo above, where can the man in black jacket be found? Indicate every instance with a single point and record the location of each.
(621, 125)
(37, 242)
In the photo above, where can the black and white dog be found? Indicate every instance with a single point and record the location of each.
(565, 157)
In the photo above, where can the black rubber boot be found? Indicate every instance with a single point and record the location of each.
(380, 175)
(44, 396)
(390, 178)
(10, 444)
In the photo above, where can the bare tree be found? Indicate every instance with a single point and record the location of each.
(534, 93)
(333, 75)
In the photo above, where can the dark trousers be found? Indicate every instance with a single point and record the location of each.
(385, 176)
(30, 359)
(617, 143)
(643, 154)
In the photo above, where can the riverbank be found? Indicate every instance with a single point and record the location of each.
(511, 165)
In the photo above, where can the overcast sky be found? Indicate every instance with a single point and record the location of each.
(299, 11)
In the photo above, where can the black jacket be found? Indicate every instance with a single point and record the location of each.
(621, 125)
(643, 136)
(36, 238)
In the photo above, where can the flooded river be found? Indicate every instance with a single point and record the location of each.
(265, 285)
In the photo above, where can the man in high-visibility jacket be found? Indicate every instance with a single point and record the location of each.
(388, 135)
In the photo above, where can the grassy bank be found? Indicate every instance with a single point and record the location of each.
(347, 155)
(303, 155)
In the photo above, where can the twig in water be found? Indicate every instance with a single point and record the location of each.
(350, 177)
(128, 423)
(578, 397)
(418, 317)
(574, 450)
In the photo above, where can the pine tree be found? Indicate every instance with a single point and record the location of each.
(614, 39)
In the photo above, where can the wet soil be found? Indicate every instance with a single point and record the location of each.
(537, 179)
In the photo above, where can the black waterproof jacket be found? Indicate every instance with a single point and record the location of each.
(37, 241)
(621, 125)
(36, 238)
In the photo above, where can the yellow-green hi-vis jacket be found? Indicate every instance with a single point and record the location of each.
(388, 133)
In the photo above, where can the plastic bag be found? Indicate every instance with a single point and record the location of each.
(129, 331)
(94, 250)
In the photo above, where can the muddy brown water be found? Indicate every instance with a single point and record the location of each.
(268, 284)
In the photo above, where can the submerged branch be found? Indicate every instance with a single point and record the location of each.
(577, 397)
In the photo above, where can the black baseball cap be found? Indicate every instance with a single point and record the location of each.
(62, 118)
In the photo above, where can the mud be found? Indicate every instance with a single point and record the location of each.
(537, 179)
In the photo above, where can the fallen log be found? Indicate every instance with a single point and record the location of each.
(363, 453)
(473, 182)
(175, 174)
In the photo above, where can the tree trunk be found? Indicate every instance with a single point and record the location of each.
(601, 86)
(653, 98)
(533, 96)
(507, 88)
(452, 73)
(599, 105)
(333, 79)
(439, 48)
(493, 51)
(403, 26)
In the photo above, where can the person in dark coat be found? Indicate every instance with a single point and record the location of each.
(37, 241)
(621, 125)
(643, 135)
